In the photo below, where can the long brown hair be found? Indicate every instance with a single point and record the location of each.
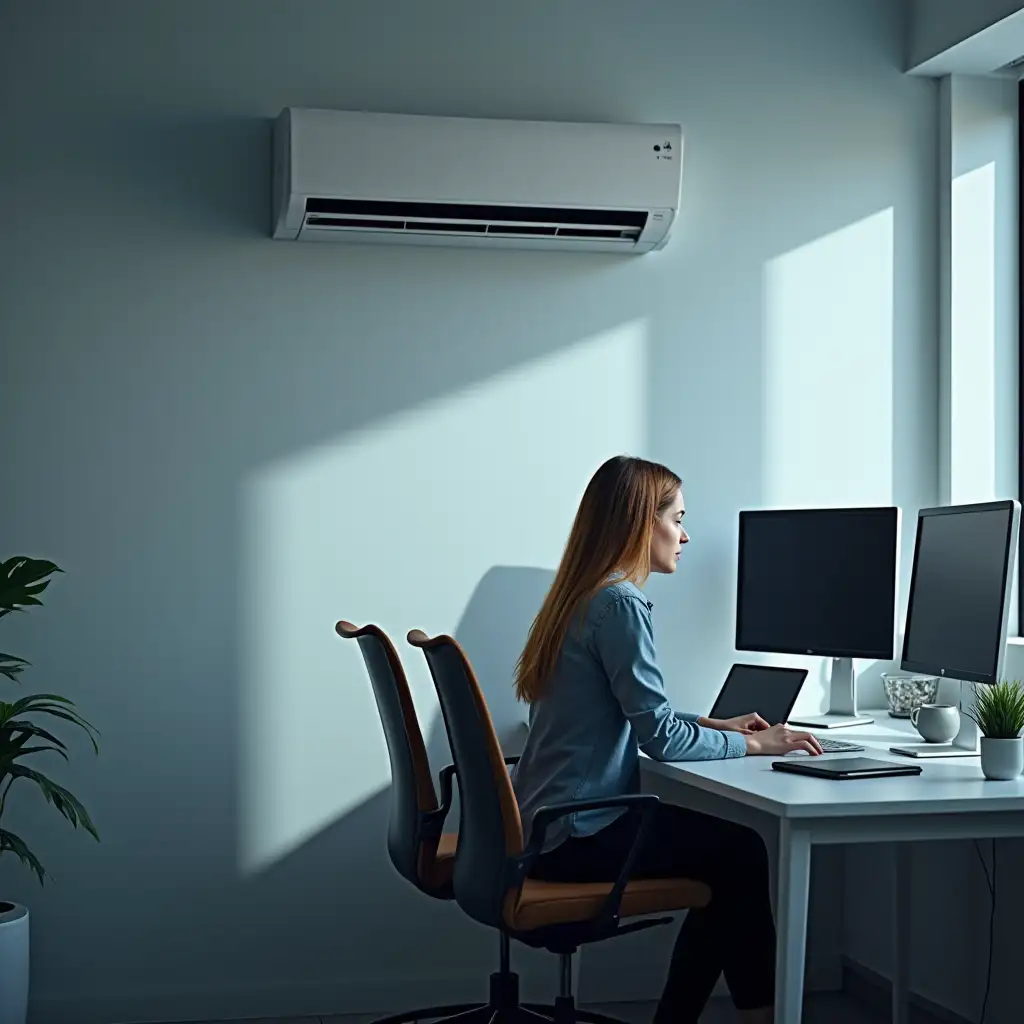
(610, 538)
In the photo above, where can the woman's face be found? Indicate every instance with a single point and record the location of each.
(669, 537)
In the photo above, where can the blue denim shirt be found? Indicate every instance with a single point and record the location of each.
(606, 702)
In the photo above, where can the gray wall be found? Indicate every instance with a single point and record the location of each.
(229, 442)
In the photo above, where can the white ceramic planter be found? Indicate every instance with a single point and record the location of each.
(13, 963)
(1002, 759)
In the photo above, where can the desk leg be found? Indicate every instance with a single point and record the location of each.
(791, 922)
(901, 935)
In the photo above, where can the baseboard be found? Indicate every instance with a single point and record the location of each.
(375, 997)
(368, 997)
(874, 991)
(643, 985)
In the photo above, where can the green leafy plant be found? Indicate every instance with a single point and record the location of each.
(998, 710)
(22, 581)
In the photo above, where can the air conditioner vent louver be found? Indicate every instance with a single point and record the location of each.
(467, 218)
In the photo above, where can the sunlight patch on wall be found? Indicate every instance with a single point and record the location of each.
(397, 524)
(972, 431)
(828, 386)
(828, 369)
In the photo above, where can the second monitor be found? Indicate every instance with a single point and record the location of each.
(820, 582)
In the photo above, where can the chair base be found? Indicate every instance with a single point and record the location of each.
(431, 1013)
(484, 1013)
(502, 1008)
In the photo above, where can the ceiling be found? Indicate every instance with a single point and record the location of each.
(972, 37)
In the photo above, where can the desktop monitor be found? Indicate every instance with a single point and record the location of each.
(960, 587)
(820, 582)
(959, 604)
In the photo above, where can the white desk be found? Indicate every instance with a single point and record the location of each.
(950, 799)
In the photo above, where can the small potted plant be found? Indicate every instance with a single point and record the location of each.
(998, 712)
(25, 734)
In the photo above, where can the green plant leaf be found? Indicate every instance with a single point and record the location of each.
(42, 748)
(27, 703)
(14, 743)
(48, 704)
(998, 710)
(30, 729)
(9, 842)
(89, 731)
(66, 803)
(22, 580)
(11, 665)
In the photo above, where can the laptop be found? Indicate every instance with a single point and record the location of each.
(771, 692)
(768, 690)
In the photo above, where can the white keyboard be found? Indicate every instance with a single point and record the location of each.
(831, 746)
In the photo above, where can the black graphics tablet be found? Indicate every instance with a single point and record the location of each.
(846, 768)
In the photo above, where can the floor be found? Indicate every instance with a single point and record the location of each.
(820, 1009)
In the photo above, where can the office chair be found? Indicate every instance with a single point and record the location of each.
(419, 848)
(491, 879)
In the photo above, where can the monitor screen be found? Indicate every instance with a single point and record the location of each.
(818, 581)
(958, 591)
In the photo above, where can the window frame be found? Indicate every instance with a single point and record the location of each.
(1020, 339)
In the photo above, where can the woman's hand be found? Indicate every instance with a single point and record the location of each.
(745, 724)
(778, 739)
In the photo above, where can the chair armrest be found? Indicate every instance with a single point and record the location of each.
(444, 778)
(446, 775)
(544, 816)
(432, 823)
(639, 806)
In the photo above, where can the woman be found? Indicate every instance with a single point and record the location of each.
(590, 674)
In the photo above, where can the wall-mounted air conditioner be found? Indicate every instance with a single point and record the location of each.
(345, 176)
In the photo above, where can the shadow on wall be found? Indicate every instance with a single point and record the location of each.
(492, 632)
(344, 873)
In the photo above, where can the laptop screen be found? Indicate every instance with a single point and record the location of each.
(768, 690)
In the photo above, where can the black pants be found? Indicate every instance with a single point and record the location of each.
(733, 935)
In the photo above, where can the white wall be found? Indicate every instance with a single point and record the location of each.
(228, 442)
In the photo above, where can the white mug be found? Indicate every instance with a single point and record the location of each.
(937, 723)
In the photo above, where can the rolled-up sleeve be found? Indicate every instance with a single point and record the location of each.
(624, 641)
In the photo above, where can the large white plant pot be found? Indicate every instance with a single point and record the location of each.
(1002, 759)
(13, 963)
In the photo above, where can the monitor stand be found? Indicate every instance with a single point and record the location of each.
(966, 743)
(842, 701)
